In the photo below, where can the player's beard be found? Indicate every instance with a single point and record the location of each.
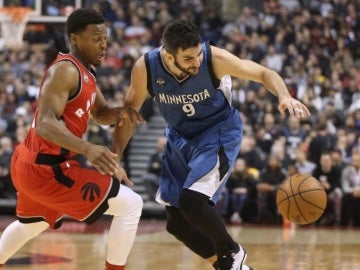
(188, 71)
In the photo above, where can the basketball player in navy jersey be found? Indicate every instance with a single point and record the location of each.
(50, 183)
(191, 83)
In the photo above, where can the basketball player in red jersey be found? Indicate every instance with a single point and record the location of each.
(49, 182)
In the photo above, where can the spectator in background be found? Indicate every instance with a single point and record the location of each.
(330, 177)
(301, 162)
(151, 177)
(269, 179)
(322, 142)
(273, 59)
(350, 183)
(7, 189)
(239, 188)
(294, 135)
(338, 159)
(268, 132)
(252, 154)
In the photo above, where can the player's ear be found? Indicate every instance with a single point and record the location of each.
(169, 56)
(73, 39)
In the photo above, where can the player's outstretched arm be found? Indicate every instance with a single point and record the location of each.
(225, 63)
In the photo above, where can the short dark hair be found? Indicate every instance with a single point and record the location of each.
(180, 34)
(81, 18)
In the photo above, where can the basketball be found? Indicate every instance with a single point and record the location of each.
(301, 199)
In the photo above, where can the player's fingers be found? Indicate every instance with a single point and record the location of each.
(121, 175)
(100, 169)
(113, 160)
(107, 165)
(135, 116)
(128, 182)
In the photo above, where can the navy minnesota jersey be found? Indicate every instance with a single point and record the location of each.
(193, 104)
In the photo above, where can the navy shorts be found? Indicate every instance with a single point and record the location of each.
(202, 163)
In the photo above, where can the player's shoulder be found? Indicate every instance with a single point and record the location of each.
(63, 69)
(140, 63)
(219, 53)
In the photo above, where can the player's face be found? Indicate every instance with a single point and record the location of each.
(189, 60)
(91, 44)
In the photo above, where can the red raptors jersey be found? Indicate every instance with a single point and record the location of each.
(76, 113)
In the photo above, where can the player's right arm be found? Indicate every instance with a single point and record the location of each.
(135, 97)
(60, 82)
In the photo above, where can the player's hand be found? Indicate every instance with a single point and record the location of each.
(104, 161)
(294, 107)
(121, 175)
(131, 114)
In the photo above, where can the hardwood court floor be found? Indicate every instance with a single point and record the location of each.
(76, 246)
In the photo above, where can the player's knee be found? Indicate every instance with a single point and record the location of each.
(137, 203)
(175, 222)
(127, 202)
(134, 205)
(174, 228)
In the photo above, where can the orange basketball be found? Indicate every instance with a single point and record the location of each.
(301, 199)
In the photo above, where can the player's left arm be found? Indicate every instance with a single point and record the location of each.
(225, 63)
(106, 115)
(102, 112)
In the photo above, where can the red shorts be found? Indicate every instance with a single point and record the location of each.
(48, 190)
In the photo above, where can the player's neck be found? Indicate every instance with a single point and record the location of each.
(81, 60)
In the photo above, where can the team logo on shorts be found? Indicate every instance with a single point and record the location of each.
(90, 191)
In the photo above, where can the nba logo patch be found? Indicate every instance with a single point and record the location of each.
(160, 81)
(86, 78)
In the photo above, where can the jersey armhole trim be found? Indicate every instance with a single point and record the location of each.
(148, 74)
(214, 79)
(79, 83)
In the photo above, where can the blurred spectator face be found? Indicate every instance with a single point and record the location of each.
(355, 160)
(350, 121)
(351, 137)
(326, 162)
(240, 165)
(20, 133)
(250, 96)
(336, 156)
(6, 144)
(247, 144)
(269, 121)
(273, 162)
(294, 123)
(292, 169)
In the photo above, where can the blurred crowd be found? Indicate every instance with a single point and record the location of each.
(314, 45)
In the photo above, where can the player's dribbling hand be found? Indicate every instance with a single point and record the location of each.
(294, 107)
(121, 175)
(106, 162)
